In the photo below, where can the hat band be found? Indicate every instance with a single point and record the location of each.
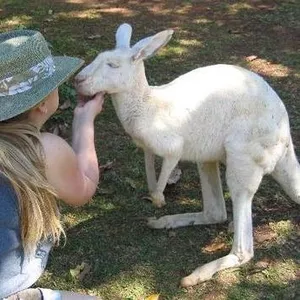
(23, 82)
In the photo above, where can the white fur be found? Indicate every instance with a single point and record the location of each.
(219, 113)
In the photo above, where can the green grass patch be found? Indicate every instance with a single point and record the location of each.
(127, 259)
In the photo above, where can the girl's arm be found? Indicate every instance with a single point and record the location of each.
(74, 171)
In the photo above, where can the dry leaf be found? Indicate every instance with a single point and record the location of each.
(63, 129)
(234, 31)
(230, 227)
(106, 166)
(86, 269)
(148, 198)
(172, 233)
(251, 58)
(56, 130)
(130, 182)
(65, 105)
(264, 234)
(80, 271)
(262, 264)
(93, 37)
(105, 191)
(215, 246)
(175, 176)
(75, 272)
(153, 297)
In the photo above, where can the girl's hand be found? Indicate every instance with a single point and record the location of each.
(91, 108)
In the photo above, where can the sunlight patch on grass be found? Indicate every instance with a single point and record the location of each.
(268, 68)
(16, 22)
(228, 277)
(159, 9)
(191, 42)
(173, 50)
(131, 287)
(283, 228)
(235, 8)
(188, 201)
(89, 14)
(72, 219)
(184, 9)
(107, 206)
(280, 272)
(202, 21)
(126, 12)
(76, 1)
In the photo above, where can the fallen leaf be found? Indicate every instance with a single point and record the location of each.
(55, 130)
(251, 58)
(262, 264)
(230, 227)
(63, 129)
(172, 233)
(175, 176)
(65, 105)
(234, 31)
(93, 37)
(106, 166)
(215, 246)
(148, 198)
(75, 272)
(130, 182)
(264, 234)
(80, 271)
(105, 192)
(86, 269)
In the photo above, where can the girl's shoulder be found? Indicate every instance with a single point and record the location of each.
(52, 141)
(57, 150)
(63, 170)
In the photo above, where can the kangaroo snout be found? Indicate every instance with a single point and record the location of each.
(83, 84)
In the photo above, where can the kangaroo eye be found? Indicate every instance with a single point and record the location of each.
(112, 65)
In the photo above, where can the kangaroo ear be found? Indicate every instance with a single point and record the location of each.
(123, 36)
(147, 47)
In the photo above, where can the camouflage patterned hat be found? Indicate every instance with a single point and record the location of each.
(28, 71)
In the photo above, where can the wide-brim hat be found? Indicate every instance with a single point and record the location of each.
(28, 71)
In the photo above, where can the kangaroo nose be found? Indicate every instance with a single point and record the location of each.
(79, 79)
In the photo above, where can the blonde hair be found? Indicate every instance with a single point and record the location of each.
(22, 163)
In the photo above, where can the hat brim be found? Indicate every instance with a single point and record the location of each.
(11, 106)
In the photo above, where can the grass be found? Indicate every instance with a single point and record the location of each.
(127, 260)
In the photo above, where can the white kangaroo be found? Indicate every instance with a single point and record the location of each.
(219, 113)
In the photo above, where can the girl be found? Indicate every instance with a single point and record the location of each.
(38, 168)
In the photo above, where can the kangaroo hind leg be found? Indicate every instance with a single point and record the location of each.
(243, 178)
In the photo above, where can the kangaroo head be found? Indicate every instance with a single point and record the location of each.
(116, 71)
